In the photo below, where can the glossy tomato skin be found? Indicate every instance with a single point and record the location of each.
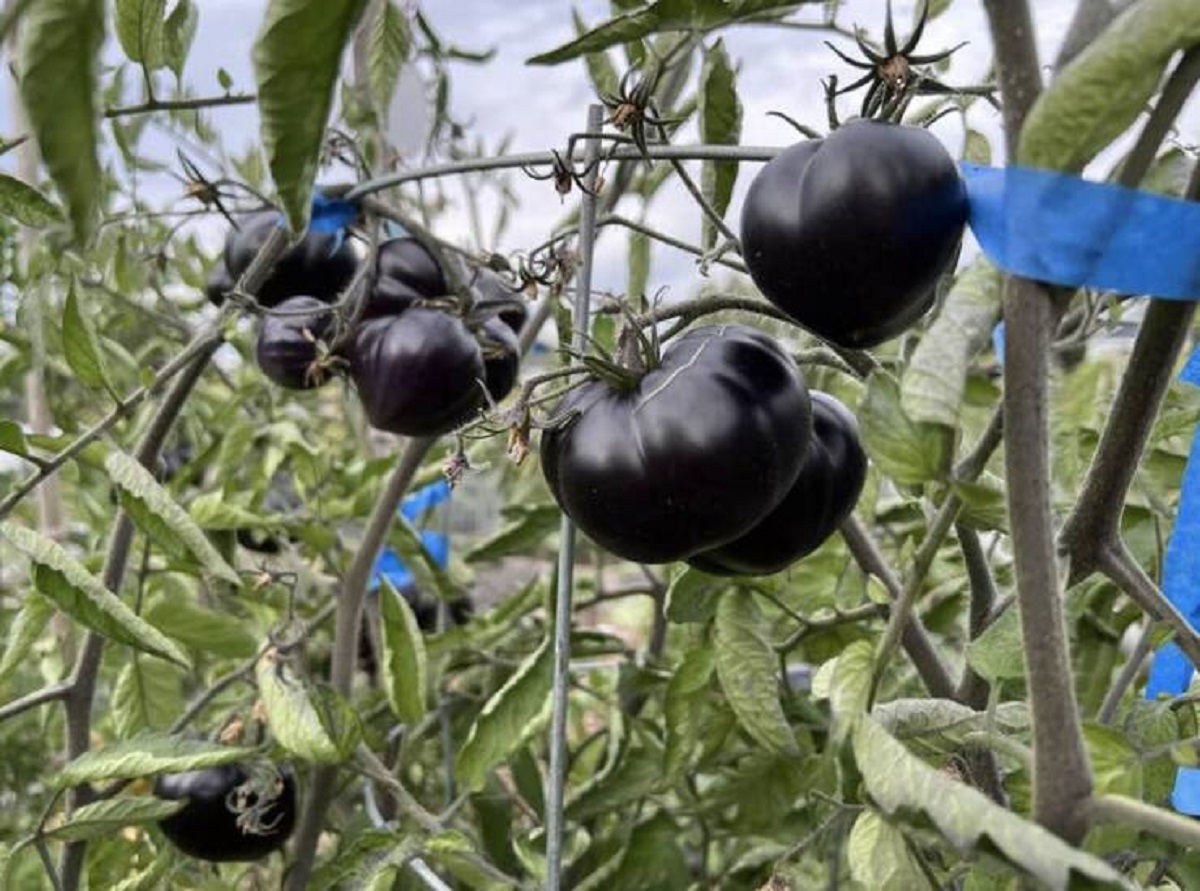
(207, 829)
(701, 449)
(321, 265)
(492, 290)
(823, 495)
(286, 349)
(850, 234)
(418, 372)
(404, 273)
(501, 358)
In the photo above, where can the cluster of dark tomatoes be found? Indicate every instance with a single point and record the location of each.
(423, 362)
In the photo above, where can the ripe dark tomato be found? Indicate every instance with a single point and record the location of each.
(404, 273)
(287, 344)
(418, 372)
(492, 290)
(501, 357)
(849, 234)
(819, 501)
(229, 816)
(320, 266)
(700, 449)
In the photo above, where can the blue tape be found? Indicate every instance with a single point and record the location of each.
(389, 565)
(1170, 671)
(1058, 228)
(331, 215)
(424, 500)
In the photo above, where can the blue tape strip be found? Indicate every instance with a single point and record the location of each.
(331, 215)
(424, 500)
(1058, 228)
(389, 565)
(1170, 671)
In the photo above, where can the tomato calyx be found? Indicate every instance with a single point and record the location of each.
(253, 802)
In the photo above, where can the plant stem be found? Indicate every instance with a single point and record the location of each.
(1126, 573)
(87, 666)
(348, 619)
(529, 159)
(914, 638)
(51, 693)
(1062, 779)
(1125, 811)
(1129, 673)
(180, 104)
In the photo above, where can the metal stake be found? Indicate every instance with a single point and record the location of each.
(566, 547)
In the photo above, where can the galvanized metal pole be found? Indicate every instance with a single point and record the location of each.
(566, 547)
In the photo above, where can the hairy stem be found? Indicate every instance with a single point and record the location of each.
(348, 620)
(1062, 778)
(973, 690)
(1125, 811)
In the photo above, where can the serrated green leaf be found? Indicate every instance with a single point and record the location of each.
(850, 685)
(83, 597)
(139, 26)
(943, 722)
(155, 511)
(60, 52)
(213, 510)
(637, 774)
(908, 452)
(25, 204)
(932, 388)
(297, 57)
(147, 754)
(985, 506)
(513, 713)
(387, 49)
(879, 858)
(403, 669)
(82, 346)
(145, 698)
(684, 706)
(12, 438)
(1096, 97)
(178, 33)
(519, 536)
(292, 714)
(903, 785)
(748, 670)
(693, 595)
(653, 858)
(720, 124)
(456, 854)
(999, 653)
(204, 630)
(355, 857)
(24, 631)
(107, 817)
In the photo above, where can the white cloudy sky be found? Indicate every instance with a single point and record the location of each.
(540, 106)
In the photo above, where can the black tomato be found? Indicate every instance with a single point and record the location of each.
(692, 456)
(418, 372)
(287, 349)
(817, 504)
(501, 357)
(320, 266)
(849, 234)
(404, 273)
(492, 290)
(229, 816)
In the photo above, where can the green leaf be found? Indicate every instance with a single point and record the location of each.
(25, 204)
(82, 346)
(403, 669)
(638, 773)
(297, 57)
(1095, 98)
(83, 597)
(12, 439)
(850, 685)
(427, 574)
(693, 596)
(522, 534)
(600, 68)
(145, 698)
(935, 380)
(684, 706)
(101, 818)
(879, 856)
(976, 148)
(148, 754)
(944, 722)
(512, 714)
(225, 79)
(60, 51)
(903, 785)
(156, 512)
(178, 33)
(748, 670)
(387, 49)
(664, 15)
(720, 124)
(140, 31)
(985, 506)
(653, 858)
(24, 631)
(292, 713)
(221, 634)
(453, 851)
(999, 653)
(908, 452)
